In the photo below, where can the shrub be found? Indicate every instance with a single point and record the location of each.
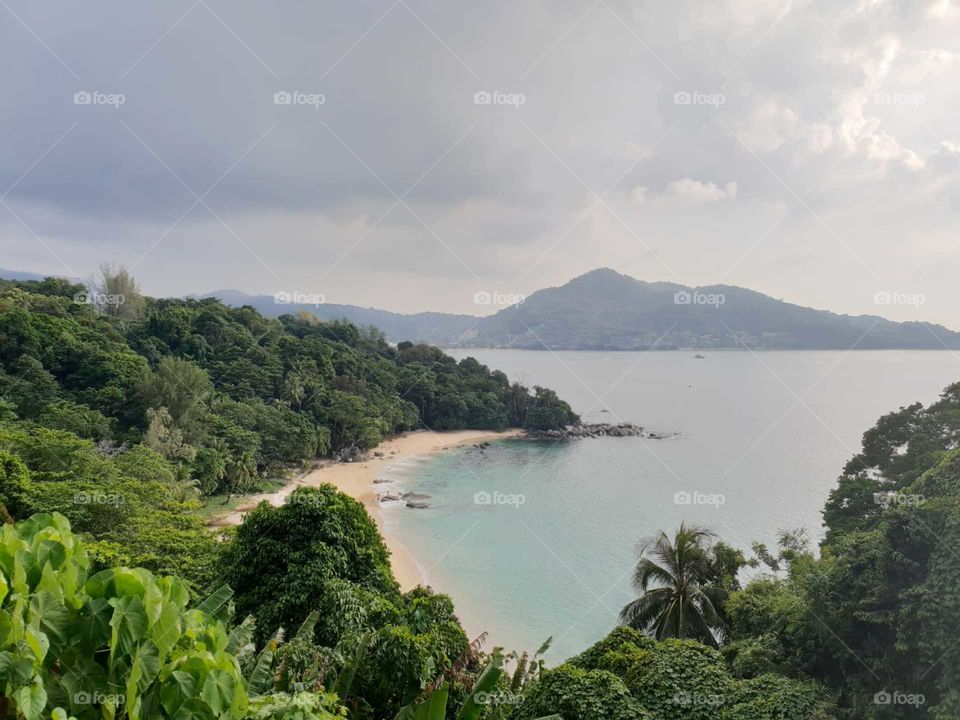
(571, 692)
(121, 643)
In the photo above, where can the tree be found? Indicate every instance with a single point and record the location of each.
(179, 386)
(282, 558)
(116, 293)
(165, 439)
(677, 599)
(241, 471)
(546, 411)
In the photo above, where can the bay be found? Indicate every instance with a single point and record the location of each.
(539, 539)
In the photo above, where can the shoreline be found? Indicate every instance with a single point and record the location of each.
(356, 480)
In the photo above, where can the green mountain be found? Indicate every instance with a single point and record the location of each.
(605, 310)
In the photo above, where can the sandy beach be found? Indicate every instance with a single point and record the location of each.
(356, 479)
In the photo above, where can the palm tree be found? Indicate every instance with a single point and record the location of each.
(241, 471)
(677, 598)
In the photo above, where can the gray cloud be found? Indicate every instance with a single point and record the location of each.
(834, 122)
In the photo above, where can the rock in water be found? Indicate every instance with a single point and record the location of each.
(592, 430)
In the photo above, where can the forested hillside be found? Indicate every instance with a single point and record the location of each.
(226, 393)
(119, 416)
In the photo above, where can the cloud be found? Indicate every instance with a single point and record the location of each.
(698, 192)
(399, 180)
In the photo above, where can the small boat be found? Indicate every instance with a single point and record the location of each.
(698, 356)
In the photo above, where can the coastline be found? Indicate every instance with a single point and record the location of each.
(356, 480)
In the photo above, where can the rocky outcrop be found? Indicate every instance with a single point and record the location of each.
(593, 430)
(350, 453)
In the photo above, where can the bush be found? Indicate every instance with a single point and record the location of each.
(283, 558)
(574, 693)
(302, 706)
(774, 697)
(121, 643)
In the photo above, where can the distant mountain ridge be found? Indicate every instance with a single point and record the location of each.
(444, 329)
(606, 310)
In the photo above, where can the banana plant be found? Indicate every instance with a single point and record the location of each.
(434, 706)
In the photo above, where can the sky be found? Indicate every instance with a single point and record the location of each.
(408, 154)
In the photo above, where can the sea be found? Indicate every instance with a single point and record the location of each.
(537, 540)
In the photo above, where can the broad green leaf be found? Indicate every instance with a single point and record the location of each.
(218, 691)
(92, 628)
(129, 623)
(165, 630)
(149, 658)
(242, 635)
(37, 642)
(4, 627)
(20, 585)
(31, 700)
(4, 588)
(436, 707)
(260, 679)
(306, 629)
(216, 604)
(486, 683)
(194, 709)
(175, 591)
(47, 610)
(133, 690)
(177, 690)
(84, 675)
(51, 551)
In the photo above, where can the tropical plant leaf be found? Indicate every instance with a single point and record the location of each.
(306, 629)
(31, 700)
(217, 603)
(129, 624)
(218, 691)
(486, 683)
(179, 688)
(344, 681)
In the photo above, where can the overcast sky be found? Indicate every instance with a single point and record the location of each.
(431, 149)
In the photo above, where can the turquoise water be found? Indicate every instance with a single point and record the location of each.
(762, 439)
